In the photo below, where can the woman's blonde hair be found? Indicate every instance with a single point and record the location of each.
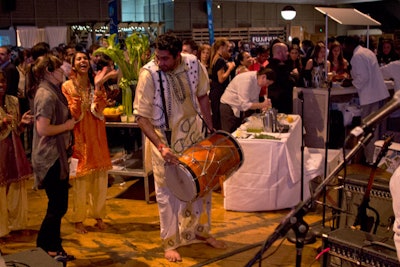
(219, 42)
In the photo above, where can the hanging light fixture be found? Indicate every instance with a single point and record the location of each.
(288, 13)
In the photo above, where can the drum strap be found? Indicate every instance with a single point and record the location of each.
(168, 130)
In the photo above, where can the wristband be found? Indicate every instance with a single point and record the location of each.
(161, 147)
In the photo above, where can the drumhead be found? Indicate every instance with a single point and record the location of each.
(181, 182)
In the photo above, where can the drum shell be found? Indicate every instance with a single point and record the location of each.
(204, 164)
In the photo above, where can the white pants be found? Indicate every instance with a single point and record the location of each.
(13, 207)
(370, 147)
(89, 195)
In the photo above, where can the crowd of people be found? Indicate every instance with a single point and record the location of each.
(61, 93)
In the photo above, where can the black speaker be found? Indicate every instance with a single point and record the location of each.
(380, 200)
(347, 247)
(33, 257)
(8, 5)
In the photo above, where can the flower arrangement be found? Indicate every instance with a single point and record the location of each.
(129, 62)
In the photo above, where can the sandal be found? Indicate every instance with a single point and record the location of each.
(62, 256)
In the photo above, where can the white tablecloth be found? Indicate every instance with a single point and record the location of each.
(269, 178)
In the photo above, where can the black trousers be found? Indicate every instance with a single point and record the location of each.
(229, 122)
(49, 237)
(215, 98)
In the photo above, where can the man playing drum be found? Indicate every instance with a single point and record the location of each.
(175, 83)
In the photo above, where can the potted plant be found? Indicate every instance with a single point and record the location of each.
(129, 62)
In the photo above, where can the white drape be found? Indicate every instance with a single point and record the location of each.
(41, 35)
(56, 35)
(27, 36)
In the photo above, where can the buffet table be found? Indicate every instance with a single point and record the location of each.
(270, 176)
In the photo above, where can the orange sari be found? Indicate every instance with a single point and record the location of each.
(91, 147)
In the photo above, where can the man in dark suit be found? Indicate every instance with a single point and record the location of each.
(280, 92)
(10, 70)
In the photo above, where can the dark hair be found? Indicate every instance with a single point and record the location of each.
(7, 47)
(22, 53)
(340, 57)
(267, 72)
(193, 45)
(240, 57)
(40, 49)
(103, 61)
(169, 42)
(320, 46)
(296, 41)
(261, 49)
(93, 47)
(352, 41)
(73, 71)
(386, 58)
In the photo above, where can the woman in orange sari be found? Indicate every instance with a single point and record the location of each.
(87, 99)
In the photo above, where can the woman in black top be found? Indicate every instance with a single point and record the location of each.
(220, 71)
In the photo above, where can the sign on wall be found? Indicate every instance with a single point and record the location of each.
(262, 39)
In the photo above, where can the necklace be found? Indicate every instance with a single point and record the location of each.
(84, 94)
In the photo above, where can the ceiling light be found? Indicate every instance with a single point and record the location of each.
(288, 13)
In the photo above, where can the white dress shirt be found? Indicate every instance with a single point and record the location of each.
(367, 77)
(392, 71)
(242, 92)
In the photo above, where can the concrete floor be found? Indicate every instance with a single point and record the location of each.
(132, 237)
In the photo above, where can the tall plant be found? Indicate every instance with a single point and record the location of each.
(129, 60)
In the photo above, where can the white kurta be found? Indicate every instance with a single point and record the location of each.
(180, 221)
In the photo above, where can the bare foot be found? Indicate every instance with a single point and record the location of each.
(80, 228)
(100, 224)
(216, 243)
(172, 255)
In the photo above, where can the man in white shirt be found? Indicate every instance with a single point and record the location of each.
(242, 94)
(368, 80)
(392, 71)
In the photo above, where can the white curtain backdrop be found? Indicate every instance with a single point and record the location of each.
(27, 36)
(41, 35)
(56, 35)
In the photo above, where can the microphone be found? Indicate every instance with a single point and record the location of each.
(374, 118)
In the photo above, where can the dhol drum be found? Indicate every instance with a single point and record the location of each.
(203, 165)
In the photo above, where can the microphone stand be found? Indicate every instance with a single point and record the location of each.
(301, 97)
(309, 238)
(327, 137)
(319, 232)
(294, 220)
